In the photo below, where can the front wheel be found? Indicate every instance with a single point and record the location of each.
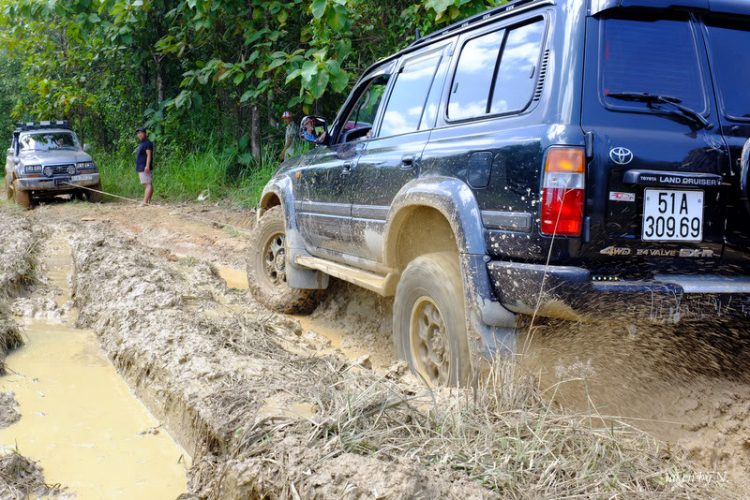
(266, 270)
(23, 198)
(429, 320)
(93, 196)
(8, 189)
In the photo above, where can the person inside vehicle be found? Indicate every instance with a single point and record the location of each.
(309, 132)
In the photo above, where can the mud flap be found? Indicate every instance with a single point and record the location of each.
(303, 277)
(496, 326)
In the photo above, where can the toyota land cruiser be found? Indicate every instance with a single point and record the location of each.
(578, 159)
(46, 159)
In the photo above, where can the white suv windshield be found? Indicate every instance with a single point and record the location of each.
(49, 141)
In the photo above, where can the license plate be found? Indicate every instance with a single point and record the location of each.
(670, 215)
(84, 177)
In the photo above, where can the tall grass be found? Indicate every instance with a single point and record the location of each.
(181, 176)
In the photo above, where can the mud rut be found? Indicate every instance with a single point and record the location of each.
(224, 374)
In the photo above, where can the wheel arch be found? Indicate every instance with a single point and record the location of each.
(429, 215)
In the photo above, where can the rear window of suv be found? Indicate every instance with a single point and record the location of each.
(497, 72)
(729, 44)
(654, 56)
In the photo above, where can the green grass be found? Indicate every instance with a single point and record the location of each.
(185, 176)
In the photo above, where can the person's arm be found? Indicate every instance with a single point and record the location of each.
(148, 161)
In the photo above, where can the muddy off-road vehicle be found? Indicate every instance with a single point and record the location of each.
(577, 159)
(45, 159)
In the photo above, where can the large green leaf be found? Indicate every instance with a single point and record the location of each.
(309, 69)
(439, 6)
(319, 8)
(338, 18)
(320, 84)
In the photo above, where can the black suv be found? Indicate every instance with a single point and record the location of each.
(578, 159)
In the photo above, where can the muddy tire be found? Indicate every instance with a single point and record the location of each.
(429, 321)
(92, 196)
(8, 190)
(23, 198)
(266, 269)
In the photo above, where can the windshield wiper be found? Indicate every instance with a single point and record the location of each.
(662, 99)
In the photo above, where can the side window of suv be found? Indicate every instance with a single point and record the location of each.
(359, 124)
(497, 72)
(403, 112)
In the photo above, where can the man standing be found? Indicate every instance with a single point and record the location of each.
(291, 144)
(144, 163)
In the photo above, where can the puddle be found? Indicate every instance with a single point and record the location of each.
(79, 419)
(272, 406)
(234, 278)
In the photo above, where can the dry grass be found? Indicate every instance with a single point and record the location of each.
(21, 477)
(502, 435)
(10, 337)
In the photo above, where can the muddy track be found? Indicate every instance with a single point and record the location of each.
(270, 410)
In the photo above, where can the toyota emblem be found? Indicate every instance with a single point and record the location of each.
(621, 156)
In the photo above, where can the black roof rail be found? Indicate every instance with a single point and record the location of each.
(42, 125)
(500, 9)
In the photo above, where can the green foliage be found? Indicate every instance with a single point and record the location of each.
(196, 69)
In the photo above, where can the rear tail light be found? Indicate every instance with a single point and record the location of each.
(563, 192)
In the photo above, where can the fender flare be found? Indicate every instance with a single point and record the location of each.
(449, 196)
(496, 326)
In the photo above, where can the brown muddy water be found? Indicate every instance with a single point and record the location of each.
(80, 421)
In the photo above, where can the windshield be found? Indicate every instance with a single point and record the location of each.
(49, 141)
(658, 57)
(730, 57)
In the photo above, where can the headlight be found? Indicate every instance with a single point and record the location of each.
(32, 169)
(86, 165)
(48, 171)
(71, 170)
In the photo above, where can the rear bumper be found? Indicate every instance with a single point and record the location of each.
(570, 293)
(56, 184)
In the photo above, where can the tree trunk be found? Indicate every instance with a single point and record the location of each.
(159, 80)
(272, 121)
(255, 134)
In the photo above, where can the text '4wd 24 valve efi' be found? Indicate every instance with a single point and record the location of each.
(578, 159)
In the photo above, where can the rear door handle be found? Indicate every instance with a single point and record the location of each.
(347, 169)
(407, 162)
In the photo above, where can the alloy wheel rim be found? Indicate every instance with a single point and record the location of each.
(429, 345)
(274, 260)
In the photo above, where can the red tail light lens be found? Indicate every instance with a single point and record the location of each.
(563, 190)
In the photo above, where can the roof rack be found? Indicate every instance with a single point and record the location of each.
(42, 125)
(494, 12)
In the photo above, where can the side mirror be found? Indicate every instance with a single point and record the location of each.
(86, 148)
(314, 129)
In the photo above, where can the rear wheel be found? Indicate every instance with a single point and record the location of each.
(266, 270)
(93, 196)
(429, 320)
(23, 198)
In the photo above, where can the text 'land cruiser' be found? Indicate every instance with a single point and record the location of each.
(578, 159)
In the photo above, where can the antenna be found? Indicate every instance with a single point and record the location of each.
(418, 37)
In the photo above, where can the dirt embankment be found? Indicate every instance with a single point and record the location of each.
(17, 267)
(269, 412)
